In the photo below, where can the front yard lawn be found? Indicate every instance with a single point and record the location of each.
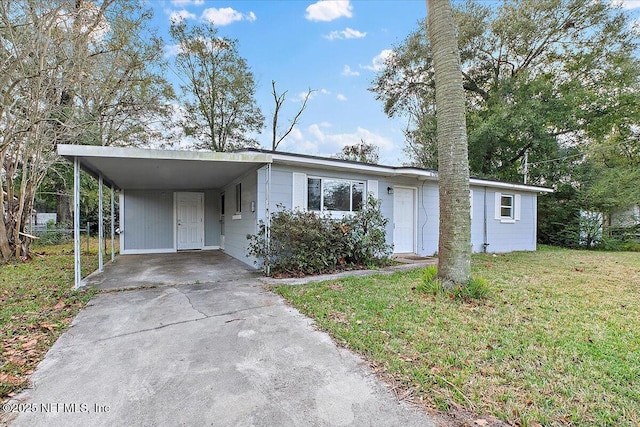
(37, 303)
(557, 342)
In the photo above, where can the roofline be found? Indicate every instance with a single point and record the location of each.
(411, 171)
(70, 151)
(260, 156)
(502, 184)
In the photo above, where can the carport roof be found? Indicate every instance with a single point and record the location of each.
(146, 169)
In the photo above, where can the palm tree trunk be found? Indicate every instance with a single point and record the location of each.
(454, 251)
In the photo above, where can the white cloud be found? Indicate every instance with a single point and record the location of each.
(347, 71)
(378, 62)
(347, 33)
(316, 139)
(296, 134)
(341, 97)
(314, 93)
(316, 132)
(172, 50)
(225, 16)
(186, 2)
(180, 15)
(627, 4)
(333, 143)
(328, 10)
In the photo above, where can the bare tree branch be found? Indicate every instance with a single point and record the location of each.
(279, 100)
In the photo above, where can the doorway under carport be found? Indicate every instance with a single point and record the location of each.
(161, 175)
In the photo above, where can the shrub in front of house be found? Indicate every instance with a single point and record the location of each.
(302, 243)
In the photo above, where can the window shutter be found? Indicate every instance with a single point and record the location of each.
(516, 205)
(299, 189)
(372, 188)
(497, 207)
(471, 204)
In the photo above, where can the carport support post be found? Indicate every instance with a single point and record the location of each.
(113, 227)
(76, 223)
(100, 224)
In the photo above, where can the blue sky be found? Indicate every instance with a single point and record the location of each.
(333, 47)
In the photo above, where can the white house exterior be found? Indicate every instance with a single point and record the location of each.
(184, 200)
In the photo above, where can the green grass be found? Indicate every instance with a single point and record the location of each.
(37, 303)
(556, 342)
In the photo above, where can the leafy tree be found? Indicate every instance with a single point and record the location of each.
(540, 77)
(611, 173)
(220, 108)
(454, 247)
(360, 152)
(70, 72)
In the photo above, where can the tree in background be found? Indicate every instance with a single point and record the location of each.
(360, 152)
(539, 77)
(219, 89)
(546, 80)
(70, 72)
(454, 247)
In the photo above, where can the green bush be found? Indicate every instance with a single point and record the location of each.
(302, 243)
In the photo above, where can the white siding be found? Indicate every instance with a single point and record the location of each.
(236, 230)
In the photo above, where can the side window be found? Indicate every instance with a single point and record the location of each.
(238, 198)
(506, 206)
(314, 196)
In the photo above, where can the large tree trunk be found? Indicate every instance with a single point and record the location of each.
(63, 208)
(454, 251)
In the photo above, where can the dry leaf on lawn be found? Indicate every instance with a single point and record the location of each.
(30, 344)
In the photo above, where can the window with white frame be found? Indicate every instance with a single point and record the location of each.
(506, 206)
(330, 194)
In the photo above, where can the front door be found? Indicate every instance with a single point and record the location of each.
(190, 220)
(404, 230)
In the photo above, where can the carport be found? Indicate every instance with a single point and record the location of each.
(166, 173)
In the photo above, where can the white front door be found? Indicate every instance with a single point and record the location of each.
(404, 229)
(190, 220)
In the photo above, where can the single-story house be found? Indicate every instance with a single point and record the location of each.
(190, 200)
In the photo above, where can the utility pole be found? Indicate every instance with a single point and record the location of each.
(526, 165)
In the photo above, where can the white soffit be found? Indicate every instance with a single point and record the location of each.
(142, 169)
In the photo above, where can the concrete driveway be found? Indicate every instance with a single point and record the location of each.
(220, 354)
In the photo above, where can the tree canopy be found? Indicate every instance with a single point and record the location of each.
(553, 84)
(221, 112)
(74, 72)
(545, 78)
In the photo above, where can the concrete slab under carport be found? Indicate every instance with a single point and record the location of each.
(179, 268)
